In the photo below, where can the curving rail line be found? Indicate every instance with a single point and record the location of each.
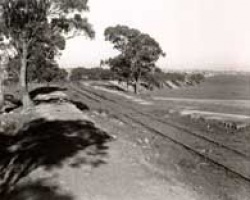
(230, 159)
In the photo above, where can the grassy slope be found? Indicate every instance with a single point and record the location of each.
(217, 87)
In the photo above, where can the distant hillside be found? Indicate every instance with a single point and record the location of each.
(216, 87)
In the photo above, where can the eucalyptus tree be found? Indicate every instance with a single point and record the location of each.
(41, 68)
(46, 71)
(32, 25)
(3, 63)
(139, 50)
(6, 54)
(121, 67)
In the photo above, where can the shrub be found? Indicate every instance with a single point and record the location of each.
(97, 73)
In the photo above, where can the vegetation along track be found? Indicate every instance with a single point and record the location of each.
(219, 154)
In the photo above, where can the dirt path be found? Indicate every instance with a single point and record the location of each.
(123, 172)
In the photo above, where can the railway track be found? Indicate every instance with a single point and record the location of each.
(196, 134)
(230, 159)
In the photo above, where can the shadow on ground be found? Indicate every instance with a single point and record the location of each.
(114, 87)
(109, 86)
(81, 106)
(39, 190)
(50, 144)
(54, 99)
(45, 90)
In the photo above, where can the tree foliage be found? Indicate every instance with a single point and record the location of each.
(39, 28)
(138, 52)
(121, 67)
(40, 72)
(96, 73)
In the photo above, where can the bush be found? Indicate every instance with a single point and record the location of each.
(38, 73)
(97, 73)
(155, 80)
(174, 76)
(196, 78)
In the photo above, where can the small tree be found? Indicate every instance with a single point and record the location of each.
(140, 50)
(30, 24)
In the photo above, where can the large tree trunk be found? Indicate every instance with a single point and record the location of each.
(1, 88)
(127, 84)
(3, 63)
(23, 78)
(137, 82)
(137, 85)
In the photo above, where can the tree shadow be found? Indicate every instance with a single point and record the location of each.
(45, 90)
(50, 144)
(81, 106)
(114, 87)
(38, 190)
(54, 99)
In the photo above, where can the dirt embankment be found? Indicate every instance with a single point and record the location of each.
(73, 153)
(65, 153)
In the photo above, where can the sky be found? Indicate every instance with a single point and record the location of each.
(200, 34)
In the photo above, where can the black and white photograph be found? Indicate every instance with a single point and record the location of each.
(124, 100)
